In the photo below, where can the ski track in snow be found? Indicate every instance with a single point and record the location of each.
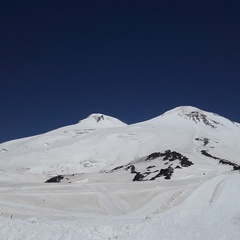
(107, 200)
(209, 211)
(205, 214)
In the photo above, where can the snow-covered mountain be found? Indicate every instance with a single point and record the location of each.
(172, 174)
(98, 120)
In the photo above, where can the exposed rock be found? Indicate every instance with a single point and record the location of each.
(116, 168)
(204, 152)
(197, 116)
(154, 155)
(185, 162)
(204, 140)
(132, 167)
(55, 179)
(167, 172)
(150, 167)
(178, 167)
(170, 156)
(235, 166)
(99, 118)
(138, 177)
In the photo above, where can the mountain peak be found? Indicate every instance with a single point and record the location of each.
(199, 116)
(99, 120)
(97, 116)
(184, 110)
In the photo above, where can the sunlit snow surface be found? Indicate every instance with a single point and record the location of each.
(198, 202)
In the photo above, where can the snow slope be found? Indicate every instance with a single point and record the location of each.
(174, 176)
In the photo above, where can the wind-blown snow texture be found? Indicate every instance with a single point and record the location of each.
(176, 176)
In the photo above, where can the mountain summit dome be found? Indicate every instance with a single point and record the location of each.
(199, 116)
(99, 120)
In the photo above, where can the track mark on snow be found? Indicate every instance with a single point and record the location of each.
(218, 190)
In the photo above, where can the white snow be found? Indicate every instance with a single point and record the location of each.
(98, 120)
(198, 202)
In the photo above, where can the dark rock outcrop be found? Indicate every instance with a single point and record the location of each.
(168, 158)
(55, 179)
(132, 168)
(235, 166)
(185, 162)
(200, 117)
(169, 155)
(154, 155)
(204, 152)
(116, 168)
(167, 172)
(138, 177)
(204, 140)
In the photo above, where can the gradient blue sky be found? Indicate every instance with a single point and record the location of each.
(63, 60)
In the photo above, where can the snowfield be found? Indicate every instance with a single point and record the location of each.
(176, 176)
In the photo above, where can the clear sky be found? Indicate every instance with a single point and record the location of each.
(63, 60)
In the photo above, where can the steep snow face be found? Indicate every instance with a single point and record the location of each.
(98, 120)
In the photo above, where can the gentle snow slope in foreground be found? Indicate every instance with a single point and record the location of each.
(185, 163)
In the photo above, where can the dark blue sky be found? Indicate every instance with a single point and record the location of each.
(63, 60)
